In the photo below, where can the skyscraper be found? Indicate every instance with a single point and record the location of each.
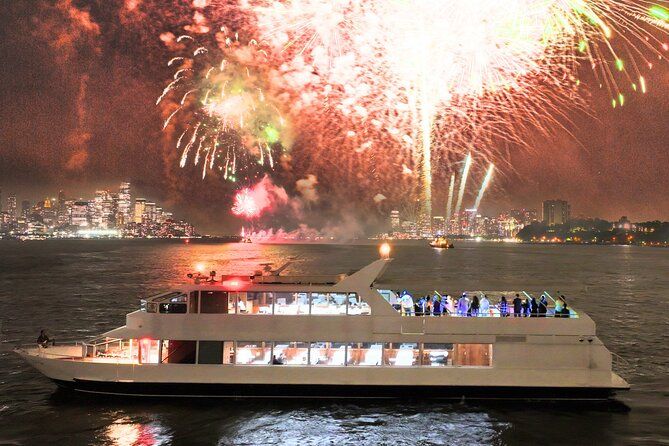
(395, 220)
(140, 205)
(124, 214)
(11, 206)
(555, 212)
(102, 209)
(79, 215)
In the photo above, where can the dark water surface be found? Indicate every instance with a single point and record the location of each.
(77, 289)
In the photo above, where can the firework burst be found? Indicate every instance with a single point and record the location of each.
(423, 81)
(218, 96)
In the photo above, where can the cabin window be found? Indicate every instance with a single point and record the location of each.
(328, 353)
(232, 303)
(253, 353)
(291, 303)
(328, 303)
(228, 352)
(149, 351)
(291, 353)
(364, 354)
(437, 355)
(213, 302)
(400, 354)
(475, 355)
(255, 303)
(210, 352)
(356, 306)
(178, 352)
(193, 302)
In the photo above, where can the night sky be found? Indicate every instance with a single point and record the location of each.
(79, 82)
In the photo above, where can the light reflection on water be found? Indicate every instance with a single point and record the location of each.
(79, 289)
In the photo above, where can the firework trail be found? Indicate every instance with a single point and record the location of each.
(218, 93)
(463, 183)
(484, 185)
(449, 203)
(382, 73)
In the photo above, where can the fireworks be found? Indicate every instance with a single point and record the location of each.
(245, 205)
(230, 124)
(437, 76)
(484, 185)
(388, 95)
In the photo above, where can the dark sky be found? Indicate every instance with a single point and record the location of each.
(78, 86)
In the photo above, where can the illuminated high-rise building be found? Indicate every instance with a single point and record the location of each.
(102, 215)
(124, 211)
(438, 225)
(79, 215)
(150, 211)
(140, 205)
(395, 220)
(555, 212)
(11, 206)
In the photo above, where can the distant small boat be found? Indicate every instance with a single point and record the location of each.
(246, 240)
(442, 243)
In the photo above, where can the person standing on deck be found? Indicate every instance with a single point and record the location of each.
(450, 305)
(503, 307)
(542, 306)
(534, 307)
(436, 305)
(484, 304)
(463, 305)
(407, 303)
(474, 307)
(517, 306)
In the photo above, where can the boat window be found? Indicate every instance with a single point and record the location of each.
(291, 353)
(228, 352)
(328, 303)
(149, 351)
(437, 355)
(404, 354)
(210, 352)
(255, 303)
(479, 355)
(254, 353)
(194, 301)
(178, 352)
(232, 303)
(356, 306)
(328, 353)
(364, 354)
(213, 302)
(291, 303)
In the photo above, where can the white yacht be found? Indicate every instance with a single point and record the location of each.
(270, 335)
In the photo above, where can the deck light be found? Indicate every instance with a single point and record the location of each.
(199, 267)
(384, 250)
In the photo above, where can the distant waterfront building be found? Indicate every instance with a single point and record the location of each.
(25, 209)
(555, 212)
(102, 215)
(395, 220)
(150, 212)
(80, 214)
(124, 214)
(624, 223)
(140, 205)
(11, 206)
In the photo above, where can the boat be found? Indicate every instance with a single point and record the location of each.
(441, 242)
(327, 336)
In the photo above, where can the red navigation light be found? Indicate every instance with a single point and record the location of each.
(233, 284)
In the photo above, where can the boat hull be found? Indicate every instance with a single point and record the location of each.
(299, 391)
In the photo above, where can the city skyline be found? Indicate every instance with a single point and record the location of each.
(108, 212)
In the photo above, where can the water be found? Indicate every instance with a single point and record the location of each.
(76, 289)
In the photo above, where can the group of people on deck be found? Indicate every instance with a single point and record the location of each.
(438, 305)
